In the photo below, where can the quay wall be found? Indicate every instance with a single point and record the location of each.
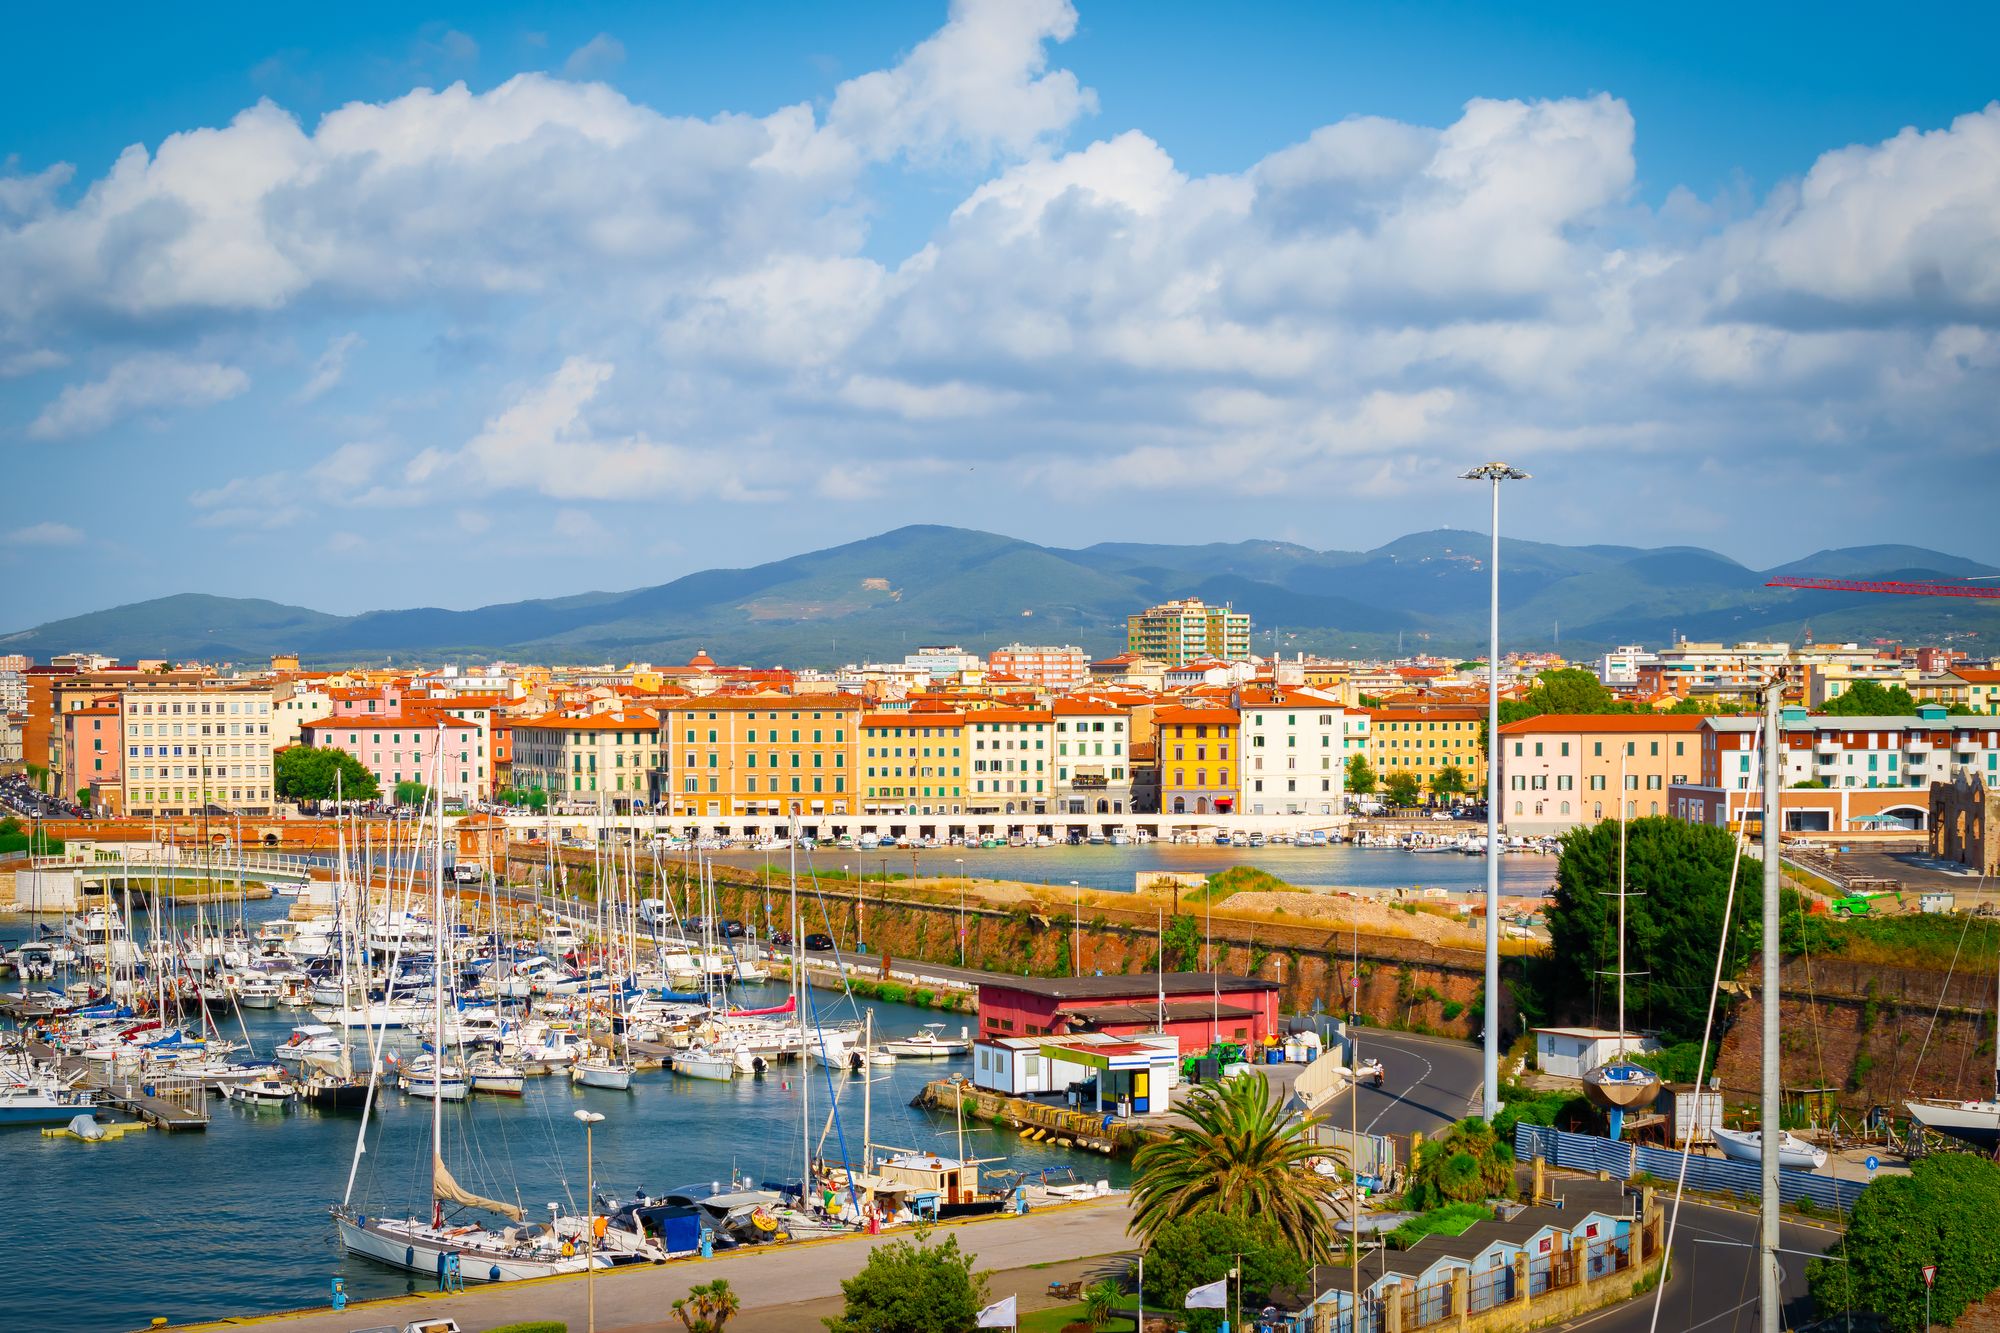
(1404, 983)
(1875, 1033)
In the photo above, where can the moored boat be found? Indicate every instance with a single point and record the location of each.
(1794, 1153)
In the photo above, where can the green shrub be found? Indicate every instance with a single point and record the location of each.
(891, 991)
(1452, 1219)
(534, 1326)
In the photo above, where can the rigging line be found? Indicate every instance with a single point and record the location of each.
(1701, 1063)
(1812, 993)
(1943, 989)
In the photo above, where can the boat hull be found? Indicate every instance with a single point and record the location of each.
(1793, 1154)
(1976, 1123)
(611, 1079)
(410, 1246)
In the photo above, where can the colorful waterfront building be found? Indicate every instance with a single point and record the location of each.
(913, 763)
(758, 754)
(1198, 759)
(1186, 630)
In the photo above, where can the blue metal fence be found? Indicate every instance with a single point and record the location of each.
(1587, 1152)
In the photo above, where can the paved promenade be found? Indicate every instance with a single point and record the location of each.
(766, 1278)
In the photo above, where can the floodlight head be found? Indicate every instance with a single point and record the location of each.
(1494, 472)
(589, 1117)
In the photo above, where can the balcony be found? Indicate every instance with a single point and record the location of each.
(1918, 745)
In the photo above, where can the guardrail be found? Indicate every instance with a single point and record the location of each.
(1587, 1152)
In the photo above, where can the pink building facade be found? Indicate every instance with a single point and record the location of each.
(399, 748)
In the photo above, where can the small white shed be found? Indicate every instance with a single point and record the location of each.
(1573, 1052)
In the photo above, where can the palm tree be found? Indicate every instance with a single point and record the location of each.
(1239, 1154)
(1100, 1302)
(705, 1309)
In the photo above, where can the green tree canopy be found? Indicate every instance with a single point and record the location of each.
(1403, 787)
(1360, 777)
(1565, 690)
(1449, 781)
(1868, 698)
(411, 793)
(1677, 878)
(1942, 1213)
(1239, 1153)
(1201, 1248)
(912, 1287)
(304, 773)
(1468, 1163)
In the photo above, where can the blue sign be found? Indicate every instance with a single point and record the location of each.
(1872, 1163)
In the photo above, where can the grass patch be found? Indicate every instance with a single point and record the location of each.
(1452, 1219)
(1526, 1106)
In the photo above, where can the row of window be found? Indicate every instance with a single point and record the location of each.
(235, 707)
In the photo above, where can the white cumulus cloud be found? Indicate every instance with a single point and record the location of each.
(139, 384)
(45, 534)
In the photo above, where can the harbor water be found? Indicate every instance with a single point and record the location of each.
(235, 1220)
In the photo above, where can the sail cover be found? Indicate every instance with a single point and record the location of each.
(450, 1191)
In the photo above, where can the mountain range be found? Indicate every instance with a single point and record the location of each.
(885, 595)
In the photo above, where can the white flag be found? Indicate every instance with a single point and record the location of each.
(1214, 1296)
(1000, 1314)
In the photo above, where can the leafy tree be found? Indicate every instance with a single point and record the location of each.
(1450, 781)
(411, 793)
(1677, 878)
(1468, 1163)
(1238, 1154)
(1360, 777)
(1464, 667)
(1180, 945)
(1403, 788)
(1809, 782)
(1201, 1248)
(83, 797)
(306, 773)
(705, 1309)
(1942, 1213)
(912, 1287)
(1868, 698)
(1564, 690)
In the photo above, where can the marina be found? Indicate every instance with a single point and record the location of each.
(703, 1096)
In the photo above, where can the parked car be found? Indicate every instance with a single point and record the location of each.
(729, 930)
(819, 943)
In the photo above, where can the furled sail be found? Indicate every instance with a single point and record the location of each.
(450, 1191)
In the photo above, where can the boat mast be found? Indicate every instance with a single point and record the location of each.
(1622, 821)
(805, 1043)
(437, 967)
(867, 1092)
(1770, 1277)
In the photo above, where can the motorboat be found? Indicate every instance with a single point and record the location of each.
(40, 1102)
(700, 1062)
(307, 1041)
(1975, 1122)
(1794, 1153)
(425, 1079)
(927, 1044)
(258, 993)
(261, 1094)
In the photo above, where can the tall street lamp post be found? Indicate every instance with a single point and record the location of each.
(1493, 473)
(589, 1119)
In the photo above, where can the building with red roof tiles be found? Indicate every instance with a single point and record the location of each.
(1011, 754)
(761, 755)
(913, 763)
(1296, 743)
(1199, 758)
(429, 748)
(1436, 743)
(1093, 756)
(1562, 770)
(599, 760)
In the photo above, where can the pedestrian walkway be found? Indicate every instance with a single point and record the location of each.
(764, 1277)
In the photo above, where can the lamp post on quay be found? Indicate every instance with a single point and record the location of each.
(589, 1119)
(1493, 473)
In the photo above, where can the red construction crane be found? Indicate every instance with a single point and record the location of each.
(1900, 589)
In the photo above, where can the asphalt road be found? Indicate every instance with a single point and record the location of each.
(1427, 1083)
(1713, 1282)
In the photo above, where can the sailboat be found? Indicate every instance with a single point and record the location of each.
(1620, 1085)
(427, 1245)
(1975, 1122)
(600, 1067)
(1794, 1153)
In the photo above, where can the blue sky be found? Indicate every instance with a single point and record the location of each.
(660, 288)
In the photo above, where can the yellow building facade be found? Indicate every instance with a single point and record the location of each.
(1427, 740)
(913, 763)
(761, 755)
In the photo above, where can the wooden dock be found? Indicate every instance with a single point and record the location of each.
(165, 1102)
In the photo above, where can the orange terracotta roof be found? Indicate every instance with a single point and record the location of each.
(926, 719)
(642, 720)
(1421, 713)
(1071, 706)
(1014, 715)
(1173, 713)
(414, 723)
(1549, 723)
